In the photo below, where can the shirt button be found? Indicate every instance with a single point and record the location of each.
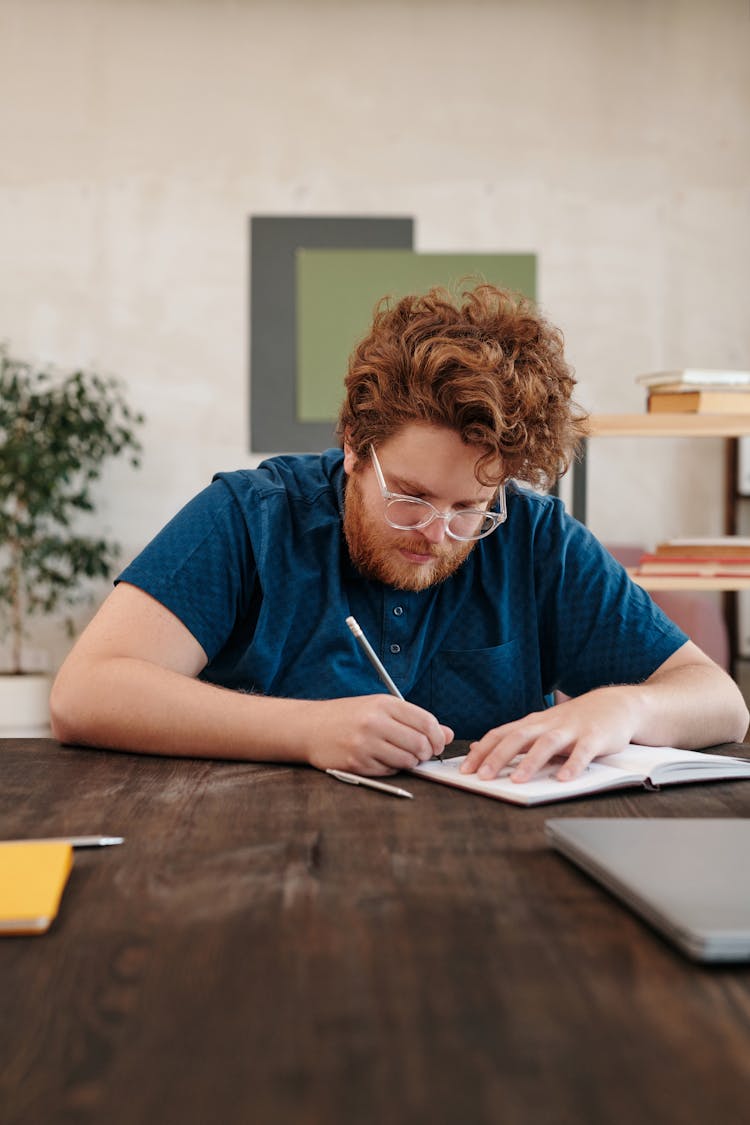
(395, 649)
(398, 610)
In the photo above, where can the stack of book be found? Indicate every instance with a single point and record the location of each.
(727, 556)
(697, 391)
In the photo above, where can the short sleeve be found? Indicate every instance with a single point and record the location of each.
(201, 567)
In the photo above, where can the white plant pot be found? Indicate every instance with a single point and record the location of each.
(24, 705)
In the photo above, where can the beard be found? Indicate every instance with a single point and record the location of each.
(378, 556)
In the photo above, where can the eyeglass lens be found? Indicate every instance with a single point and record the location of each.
(466, 524)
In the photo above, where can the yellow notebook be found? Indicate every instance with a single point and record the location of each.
(32, 880)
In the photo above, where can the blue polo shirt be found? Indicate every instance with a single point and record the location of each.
(257, 568)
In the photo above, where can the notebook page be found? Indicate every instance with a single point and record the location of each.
(543, 787)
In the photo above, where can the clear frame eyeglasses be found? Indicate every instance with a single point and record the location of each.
(409, 513)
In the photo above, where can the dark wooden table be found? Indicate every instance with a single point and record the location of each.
(270, 945)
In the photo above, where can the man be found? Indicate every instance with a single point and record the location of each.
(226, 636)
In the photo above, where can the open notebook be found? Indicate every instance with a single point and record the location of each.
(647, 766)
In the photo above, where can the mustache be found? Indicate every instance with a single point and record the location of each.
(420, 547)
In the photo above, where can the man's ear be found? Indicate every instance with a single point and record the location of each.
(350, 459)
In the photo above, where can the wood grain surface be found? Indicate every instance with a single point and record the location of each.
(270, 945)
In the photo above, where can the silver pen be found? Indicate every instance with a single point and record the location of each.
(369, 783)
(372, 656)
(74, 841)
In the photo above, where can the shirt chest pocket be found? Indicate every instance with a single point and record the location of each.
(473, 690)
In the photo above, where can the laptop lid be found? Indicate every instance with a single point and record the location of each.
(689, 878)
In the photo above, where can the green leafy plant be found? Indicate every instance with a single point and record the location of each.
(56, 431)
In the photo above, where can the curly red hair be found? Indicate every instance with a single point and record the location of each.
(490, 367)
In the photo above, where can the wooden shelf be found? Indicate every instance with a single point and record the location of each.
(686, 582)
(678, 425)
(725, 426)
(669, 425)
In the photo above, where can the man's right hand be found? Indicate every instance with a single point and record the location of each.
(130, 683)
(372, 734)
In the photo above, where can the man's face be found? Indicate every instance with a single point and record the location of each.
(422, 460)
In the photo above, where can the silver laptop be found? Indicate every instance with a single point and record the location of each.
(690, 879)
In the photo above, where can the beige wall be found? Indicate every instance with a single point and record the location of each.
(612, 137)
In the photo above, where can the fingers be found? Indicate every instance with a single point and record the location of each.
(529, 745)
(416, 730)
(577, 756)
(583, 754)
(497, 749)
(448, 737)
(377, 734)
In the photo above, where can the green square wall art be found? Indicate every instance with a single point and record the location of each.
(314, 283)
(337, 291)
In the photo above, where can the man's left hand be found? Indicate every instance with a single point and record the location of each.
(578, 730)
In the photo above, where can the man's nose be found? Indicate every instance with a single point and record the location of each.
(434, 532)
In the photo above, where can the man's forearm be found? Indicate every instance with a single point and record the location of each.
(690, 706)
(124, 703)
(689, 702)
